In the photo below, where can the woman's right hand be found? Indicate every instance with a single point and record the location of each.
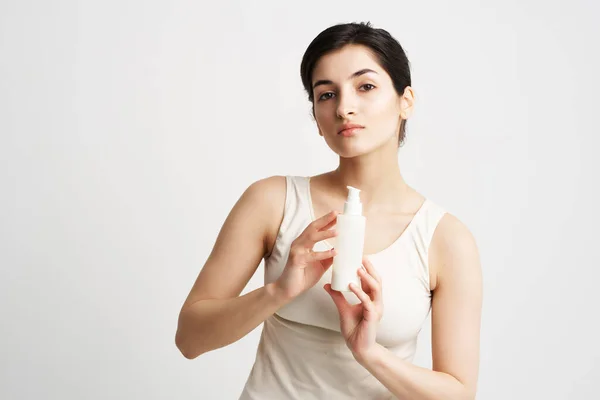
(305, 267)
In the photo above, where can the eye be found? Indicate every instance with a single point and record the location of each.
(371, 87)
(323, 96)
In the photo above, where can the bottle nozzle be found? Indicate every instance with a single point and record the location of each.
(353, 193)
(353, 206)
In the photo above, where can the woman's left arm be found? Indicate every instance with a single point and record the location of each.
(455, 323)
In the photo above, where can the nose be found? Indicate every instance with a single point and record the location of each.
(346, 105)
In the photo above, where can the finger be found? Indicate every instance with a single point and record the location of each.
(363, 297)
(320, 255)
(370, 285)
(324, 221)
(338, 298)
(371, 269)
(308, 238)
(326, 263)
(322, 235)
(332, 223)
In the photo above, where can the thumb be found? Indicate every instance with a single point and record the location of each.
(338, 298)
(325, 264)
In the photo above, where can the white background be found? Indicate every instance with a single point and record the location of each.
(130, 128)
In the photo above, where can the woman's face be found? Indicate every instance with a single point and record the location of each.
(350, 87)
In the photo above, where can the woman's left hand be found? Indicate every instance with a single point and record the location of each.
(359, 322)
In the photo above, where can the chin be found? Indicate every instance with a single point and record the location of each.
(358, 146)
(351, 150)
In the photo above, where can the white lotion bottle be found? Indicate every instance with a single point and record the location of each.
(350, 241)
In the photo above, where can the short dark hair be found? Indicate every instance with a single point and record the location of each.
(388, 51)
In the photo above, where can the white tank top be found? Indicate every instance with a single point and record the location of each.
(301, 353)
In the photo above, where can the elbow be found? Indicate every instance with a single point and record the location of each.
(462, 390)
(468, 393)
(468, 396)
(184, 347)
(187, 354)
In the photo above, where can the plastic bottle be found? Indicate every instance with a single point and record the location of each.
(349, 243)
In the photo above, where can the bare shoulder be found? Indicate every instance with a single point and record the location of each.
(269, 195)
(456, 304)
(453, 246)
(275, 183)
(242, 241)
(452, 234)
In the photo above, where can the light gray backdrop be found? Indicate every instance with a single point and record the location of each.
(130, 128)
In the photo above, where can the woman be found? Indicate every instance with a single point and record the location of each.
(318, 343)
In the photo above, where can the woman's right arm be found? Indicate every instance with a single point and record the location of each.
(214, 315)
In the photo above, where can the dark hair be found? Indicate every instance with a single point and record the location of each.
(387, 50)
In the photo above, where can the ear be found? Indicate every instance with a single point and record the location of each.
(407, 103)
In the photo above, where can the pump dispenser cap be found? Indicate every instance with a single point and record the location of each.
(353, 206)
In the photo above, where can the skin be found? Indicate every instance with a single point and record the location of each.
(214, 315)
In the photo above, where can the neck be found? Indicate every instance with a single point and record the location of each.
(376, 174)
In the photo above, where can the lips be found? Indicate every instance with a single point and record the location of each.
(348, 129)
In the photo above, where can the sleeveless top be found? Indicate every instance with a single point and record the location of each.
(301, 352)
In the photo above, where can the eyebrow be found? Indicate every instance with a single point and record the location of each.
(354, 75)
